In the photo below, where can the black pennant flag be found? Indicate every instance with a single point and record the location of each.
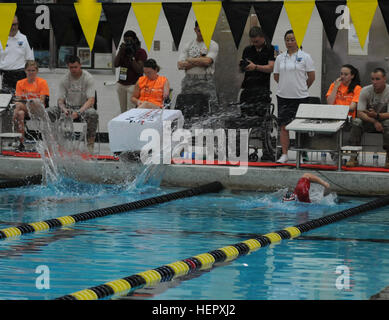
(237, 14)
(39, 39)
(66, 27)
(117, 17)
(384, 6)
(328, 15)
(268, 14)
(176, 15)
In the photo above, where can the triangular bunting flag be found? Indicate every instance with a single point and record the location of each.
(39, 39)
(384, 6)
(89, 13)
(328, 15)
(7, 13)
(147, 14)
(268, 14)
(117, 17)
(176, 15)
(65, 15)
(207, 14)
(237, 14)
(362, 14)
(299, 14)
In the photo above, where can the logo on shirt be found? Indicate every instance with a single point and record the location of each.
(20, 43)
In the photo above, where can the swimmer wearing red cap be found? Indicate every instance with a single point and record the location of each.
(301, 192)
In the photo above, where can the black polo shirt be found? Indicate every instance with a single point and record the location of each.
(255, 79)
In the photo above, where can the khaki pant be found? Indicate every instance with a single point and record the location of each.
(359, 127)
(124, 95)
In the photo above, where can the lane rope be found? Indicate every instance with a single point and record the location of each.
(208, 260)
(25, 228)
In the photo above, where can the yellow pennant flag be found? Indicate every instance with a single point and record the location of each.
(207, 14)
(299, 14)
(147, 14)
(362, 14)
(7, 13)
(88, 12)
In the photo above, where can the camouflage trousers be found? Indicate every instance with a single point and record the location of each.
(90, 116)
(200, 84)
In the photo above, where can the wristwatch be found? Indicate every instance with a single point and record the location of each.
(78, 113)
(377, 116)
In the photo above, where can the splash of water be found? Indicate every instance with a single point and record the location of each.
(60, 148)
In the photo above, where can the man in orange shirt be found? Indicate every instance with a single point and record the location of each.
(31, 94)
(346, 89)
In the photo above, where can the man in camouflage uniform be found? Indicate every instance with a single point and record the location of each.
(76, 99)
(198, 61)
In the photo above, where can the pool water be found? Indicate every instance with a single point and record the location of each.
(93, 252)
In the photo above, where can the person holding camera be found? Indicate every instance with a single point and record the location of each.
(257, 64)
(130, 60)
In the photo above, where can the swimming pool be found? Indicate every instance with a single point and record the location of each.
(93, 252)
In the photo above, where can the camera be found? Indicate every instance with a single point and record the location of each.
(130, 48)
(243, 64)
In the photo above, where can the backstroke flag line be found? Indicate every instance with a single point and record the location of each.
(69, 20)
(299, 14)
(207, 14)
(116, 14)
(329, 15)
(147, 14)
(89, 13)
(362, 14)
(7, 13)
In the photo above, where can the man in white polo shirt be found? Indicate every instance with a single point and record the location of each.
(198, 61)
(14, 57)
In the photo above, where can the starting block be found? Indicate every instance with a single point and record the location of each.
(125, 130)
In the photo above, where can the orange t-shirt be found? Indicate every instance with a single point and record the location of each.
(27, 90)
(152, 90)
(345, 98)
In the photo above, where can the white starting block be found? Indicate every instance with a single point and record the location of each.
(319, 127)
(125, 130)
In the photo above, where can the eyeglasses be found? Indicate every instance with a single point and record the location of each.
(15, 24)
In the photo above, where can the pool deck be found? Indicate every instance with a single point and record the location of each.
(189, 175)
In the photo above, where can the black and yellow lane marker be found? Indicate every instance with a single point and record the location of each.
(208, 260)
(25, 228)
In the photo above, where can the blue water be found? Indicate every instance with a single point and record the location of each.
(104, 249)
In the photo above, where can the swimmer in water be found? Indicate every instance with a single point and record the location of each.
(301, 191)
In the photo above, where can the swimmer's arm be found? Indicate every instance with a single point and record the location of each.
(316, 179)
